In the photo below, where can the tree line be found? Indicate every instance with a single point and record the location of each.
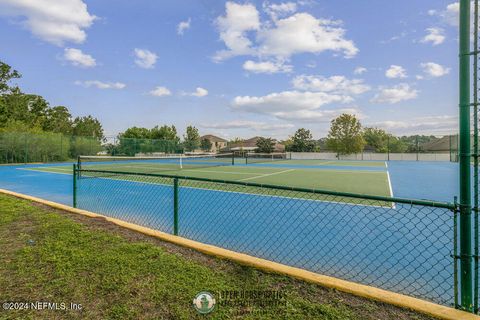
(51, 133)
(32, 130)
(158, 139)
(348, 136)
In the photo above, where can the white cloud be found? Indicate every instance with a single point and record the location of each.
(434, 35)
(200, 92)
(100, 84)
(432, 125)
(267, 67)
(280, 38)
(395, 94)
(449, 15)
(238, 20)
(334, 84)
(303, 33)
(160, 92)
(360, 70)
(78, 58)
(56, 22)
(182, 26)
(317, 115)
(246, 124)
(396, 72)
(289, 105)
(279, 10)
(145, 58)
(287, 101)
(434, 69)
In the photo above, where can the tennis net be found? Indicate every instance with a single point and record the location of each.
(265, 157)
(153, 164)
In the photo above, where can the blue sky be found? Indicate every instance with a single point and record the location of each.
(240, 69)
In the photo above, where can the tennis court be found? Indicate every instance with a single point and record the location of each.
(330, 234)
(361, 177)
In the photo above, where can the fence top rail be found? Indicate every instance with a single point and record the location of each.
(436, 204)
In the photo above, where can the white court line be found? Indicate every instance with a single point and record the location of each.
(193, 170)
(266, 175)
(226, 191)
(325, 162)
(386, 164)
(209, 171)
(269, 174)
(255, 194)
(389, 184)
(44, 171)
(390, 189)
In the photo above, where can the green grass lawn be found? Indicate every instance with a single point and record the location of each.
(114, 273)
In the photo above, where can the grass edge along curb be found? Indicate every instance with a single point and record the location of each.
(400, 300)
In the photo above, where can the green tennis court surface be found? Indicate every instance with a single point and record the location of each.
(341, 176)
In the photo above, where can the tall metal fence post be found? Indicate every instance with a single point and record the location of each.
(466, 268)
(175, 206)
(74, 185)
(475, 157)
(455, 253)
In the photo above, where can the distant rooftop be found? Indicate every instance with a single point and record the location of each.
(213, 138)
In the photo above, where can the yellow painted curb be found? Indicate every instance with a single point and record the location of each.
(435, 310)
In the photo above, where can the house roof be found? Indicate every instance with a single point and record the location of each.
(213, 138)
(251, 144)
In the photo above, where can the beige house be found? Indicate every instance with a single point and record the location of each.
(250, 145)
(217, 142)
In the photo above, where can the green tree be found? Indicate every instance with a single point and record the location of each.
(302, 141)
(377, 139)
(191, 139)
(58, 119)
(28, 108)
(265, 145)
(396, 145)
(411, 142)
(205, 145)
(345, 135)
(7, 74)
(235, 141)
(287, 143)
(135, 133)
(87, 126)
(164, 133)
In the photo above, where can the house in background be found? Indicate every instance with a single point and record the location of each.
(250, 145)
(217, 142)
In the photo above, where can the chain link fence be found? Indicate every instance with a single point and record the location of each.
(118, 146)
(21, 147)
(392, 148)
(405, 246)
(24, 147)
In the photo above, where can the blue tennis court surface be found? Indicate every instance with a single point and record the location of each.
(437, 181)
(373, 245)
